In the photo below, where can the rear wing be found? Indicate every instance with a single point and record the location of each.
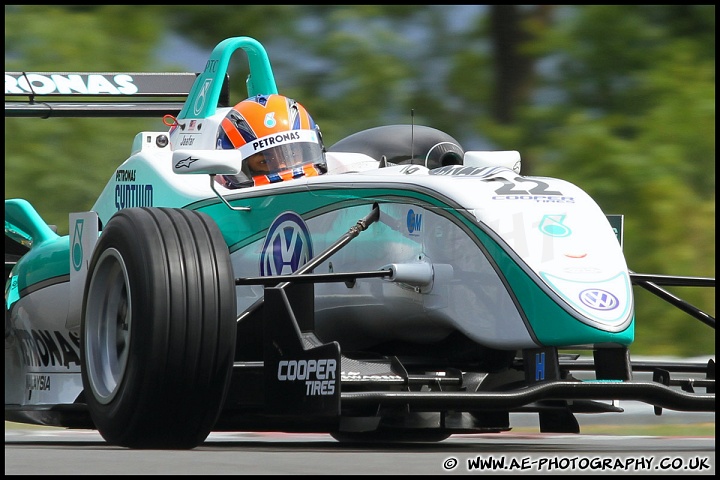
(184, 95)
(65, 94)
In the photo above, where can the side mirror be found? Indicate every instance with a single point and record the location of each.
(212, 162)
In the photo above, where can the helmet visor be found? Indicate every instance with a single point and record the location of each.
(282, 151)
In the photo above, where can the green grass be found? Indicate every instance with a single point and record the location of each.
(686, 430)
(661, 430)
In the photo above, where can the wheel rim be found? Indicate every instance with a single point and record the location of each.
(108, 322)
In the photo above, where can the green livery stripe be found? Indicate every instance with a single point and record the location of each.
(547, 321)
(43, 266)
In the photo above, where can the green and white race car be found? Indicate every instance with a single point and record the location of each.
(391, 286)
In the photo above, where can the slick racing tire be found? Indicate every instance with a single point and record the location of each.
(158, 328)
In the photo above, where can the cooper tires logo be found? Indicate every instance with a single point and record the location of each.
(599, 299)
(287, 246)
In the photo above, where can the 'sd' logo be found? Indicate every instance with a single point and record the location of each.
(287, 246)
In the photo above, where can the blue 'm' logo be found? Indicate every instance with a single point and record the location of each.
(414, 221)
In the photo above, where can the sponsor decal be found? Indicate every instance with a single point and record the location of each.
(187, 140)
(186, 162)
(275, 140)
(552, 225)
(201, 95)
(414, 222)
(539, 366)
(45, 348)
(37, 382)
(11, 294)
(598, 299)
(132, 195)
(521, 188)
(211, 66)
(90, 84)
(287, 245)
(535, 198)
(77, 249)
(318, 375)
(518, 188)
(357, 376)
(270, 121)
(124, 175)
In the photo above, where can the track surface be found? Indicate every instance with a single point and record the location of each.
(62, 452)
(54, 451)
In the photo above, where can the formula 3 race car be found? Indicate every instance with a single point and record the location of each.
(413, 291)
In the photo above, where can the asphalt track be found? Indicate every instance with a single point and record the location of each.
(46, 451)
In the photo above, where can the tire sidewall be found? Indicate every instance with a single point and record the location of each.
(128, 394)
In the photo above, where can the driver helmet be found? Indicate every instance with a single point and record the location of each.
(277, 139)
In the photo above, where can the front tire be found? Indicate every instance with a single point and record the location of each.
(158, 328)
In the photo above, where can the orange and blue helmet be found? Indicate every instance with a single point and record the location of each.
(277, 138)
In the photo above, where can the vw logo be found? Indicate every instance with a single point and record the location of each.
(287, 246)
(599, 299)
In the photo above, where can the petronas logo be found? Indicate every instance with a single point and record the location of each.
(553, 225)
(77, 249)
